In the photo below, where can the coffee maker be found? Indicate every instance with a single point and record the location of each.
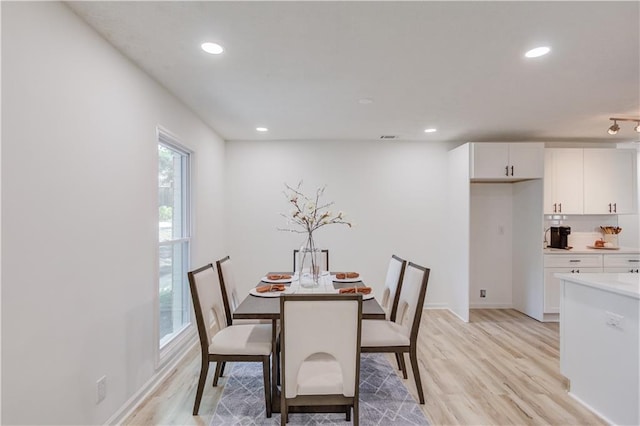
(560, 237)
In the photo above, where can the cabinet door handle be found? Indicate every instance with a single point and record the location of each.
(506, 170)
(560, 207)
(511, 170)
(609, 207)
(634, 260)
(574, 260)
(554, 208)
(615, 207)
(578, 271)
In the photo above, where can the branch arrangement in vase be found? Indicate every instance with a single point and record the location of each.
(309, 213)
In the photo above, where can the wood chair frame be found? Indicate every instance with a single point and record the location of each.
(217, 358)
(412, 349)
(325, 252)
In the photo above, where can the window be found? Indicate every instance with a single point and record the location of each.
(173, 238)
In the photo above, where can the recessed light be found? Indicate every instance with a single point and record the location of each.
(262, 129)
(430, 130)
(213, 48)
(538, 51)
(365, 101)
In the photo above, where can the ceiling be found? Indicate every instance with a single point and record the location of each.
(301, 68)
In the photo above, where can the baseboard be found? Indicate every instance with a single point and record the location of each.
(590, 408)
(436, 306)
(150, 386)
(491, 306)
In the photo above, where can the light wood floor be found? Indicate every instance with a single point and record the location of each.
(501, 368)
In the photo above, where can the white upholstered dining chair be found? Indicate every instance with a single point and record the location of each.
(228, 283)
(320, 343)
(400, 335)
(231, 301)
(392, 286)
(220, 342)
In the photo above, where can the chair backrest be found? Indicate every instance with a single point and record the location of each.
(392, 286)
(207, 304)
(324, 260)
(325, 325)
(228, 284)
(411, 300)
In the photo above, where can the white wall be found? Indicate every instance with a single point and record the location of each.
(79, 216)
(394, 191)
(458, 231)
(490, 244)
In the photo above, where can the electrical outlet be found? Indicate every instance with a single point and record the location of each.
(483, 293)
(614, 320)
(101, 389)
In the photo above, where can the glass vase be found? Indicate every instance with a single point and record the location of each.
(308, 264)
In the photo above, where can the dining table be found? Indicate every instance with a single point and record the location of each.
(267, 307)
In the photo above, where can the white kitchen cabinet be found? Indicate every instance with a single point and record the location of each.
(622, 270)
(609, 181)
(507, 161)
(621, 263)
(552, 286)
(563, 181)
(565, 263)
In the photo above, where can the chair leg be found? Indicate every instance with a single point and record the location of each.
(398, 361)
(347, 413)
(267, 384)
(403, 366)
(224, 364)
(356, 412)
(278, 361)
(284, 411)
(204, 369)
(416, 373)
(218, 373)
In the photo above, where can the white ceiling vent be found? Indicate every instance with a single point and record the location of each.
(388, 137)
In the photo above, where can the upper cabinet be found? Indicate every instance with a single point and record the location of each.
(609, 181)
(563, 184)
(507, 161)
(589, 181)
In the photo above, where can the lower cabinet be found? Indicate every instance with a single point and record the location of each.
(552, 286)
(621, 263)
(581, 263)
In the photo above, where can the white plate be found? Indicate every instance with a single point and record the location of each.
(286, 280)
(345, 280)
(254, 292)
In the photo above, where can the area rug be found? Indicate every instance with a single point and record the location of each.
(384, 400)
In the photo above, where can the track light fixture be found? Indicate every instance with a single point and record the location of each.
(615, 128)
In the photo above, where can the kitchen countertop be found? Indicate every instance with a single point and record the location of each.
(626, 284)
(586, 250)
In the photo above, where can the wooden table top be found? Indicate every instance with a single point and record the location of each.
(255, 307)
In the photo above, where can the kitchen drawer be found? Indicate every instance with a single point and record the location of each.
(571, 261)
(622, 260)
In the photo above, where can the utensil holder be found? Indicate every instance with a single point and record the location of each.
(611, 238)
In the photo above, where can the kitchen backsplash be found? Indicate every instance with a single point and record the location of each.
(585, 229)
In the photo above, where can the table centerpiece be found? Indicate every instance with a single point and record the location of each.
(308, 215)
